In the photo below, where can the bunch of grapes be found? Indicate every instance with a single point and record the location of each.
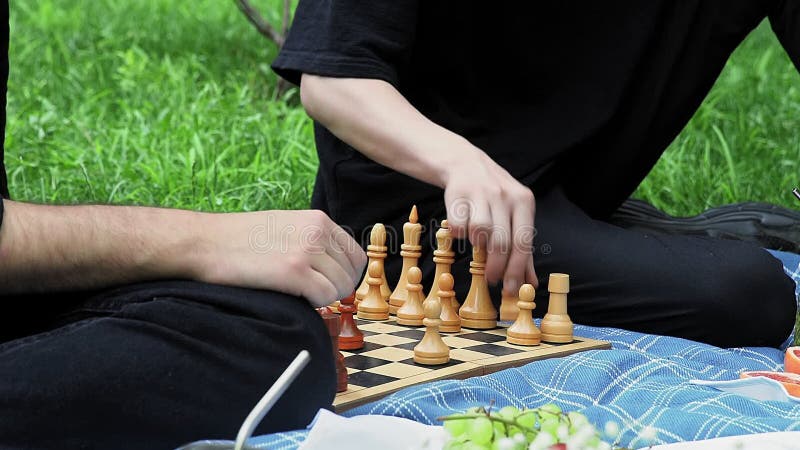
(511, 428)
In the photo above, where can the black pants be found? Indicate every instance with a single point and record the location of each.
(727, 293)
(155, 366)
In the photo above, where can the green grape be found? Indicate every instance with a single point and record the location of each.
(577, 419)
(549, 424)
(514, 430)
(505, 444)
(476, 446)
(499, 429)
(527, 419)
(453, 445)
(551, 408)
(508, 412)
(480, 430)
(456, 427)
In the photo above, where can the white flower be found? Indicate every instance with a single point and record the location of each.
(611, 429)
(541, 442)
(648, 433)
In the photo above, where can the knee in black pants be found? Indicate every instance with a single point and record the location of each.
(750, 302)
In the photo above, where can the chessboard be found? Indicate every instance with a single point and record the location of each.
(386, 362)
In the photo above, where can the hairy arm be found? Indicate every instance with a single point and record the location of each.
(45, 248)
(484, 202)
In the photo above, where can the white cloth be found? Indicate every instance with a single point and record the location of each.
(329, 431)
(788, 440)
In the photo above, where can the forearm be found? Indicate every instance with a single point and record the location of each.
(374, 118)
(45, 248)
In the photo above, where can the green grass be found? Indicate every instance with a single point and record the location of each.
(151, 102)
(171, 103)
(163, 102)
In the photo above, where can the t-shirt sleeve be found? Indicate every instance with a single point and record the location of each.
(349, 39)
(785, 22)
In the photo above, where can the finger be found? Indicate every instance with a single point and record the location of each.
(480, 223)
(335, 273)
(318, 289)
(458, 213)
(530, 273)
(344, 249)
(520, 268)
(498, 248)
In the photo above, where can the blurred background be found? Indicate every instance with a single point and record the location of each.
(173, 103)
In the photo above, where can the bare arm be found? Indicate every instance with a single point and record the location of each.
(45, 248)
(484, 202)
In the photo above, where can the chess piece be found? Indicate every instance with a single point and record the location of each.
(410, 250)
(524, 331)
(376, 251)
(373, 306)
(431, 349)
(412, 312)
(478, 312)
(350, 337)
(443, 257)
(451, 323)
(508, 307)
(332, 324)
(556, 324)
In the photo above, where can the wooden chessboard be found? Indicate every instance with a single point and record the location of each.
(386, 362)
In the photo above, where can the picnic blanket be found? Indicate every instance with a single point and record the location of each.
(642, 383)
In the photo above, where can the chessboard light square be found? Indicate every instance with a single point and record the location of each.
(390, 354)
(352, 370)
(388, 340)
(400, 370)
(468, 355)
(381, 327)
(457, 342)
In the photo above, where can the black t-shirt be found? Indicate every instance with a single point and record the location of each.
(595, 89)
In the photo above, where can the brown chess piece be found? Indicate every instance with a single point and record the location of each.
(332, 324)
(556, 325)
(524, 331)
(410, 250)
(478, 312)
(376, 251)
(451, 323)
(373, 306)
(432, 350)
(350, 337)
(443, 257)
(412, 312)
(508, 307)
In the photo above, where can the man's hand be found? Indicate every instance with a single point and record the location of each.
(484, 202)
(302, 253)
(491, 208)
(47, 248)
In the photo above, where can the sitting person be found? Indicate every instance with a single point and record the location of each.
(552, 110)
(128, 327)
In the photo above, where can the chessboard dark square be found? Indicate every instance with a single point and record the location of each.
(494, 350)
(411, 361)
(367, 347)
(363, 363)
(411, 334)
(407, 345)
(482, 337)
(368, 379)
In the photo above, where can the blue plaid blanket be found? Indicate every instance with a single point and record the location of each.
(642, 383)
